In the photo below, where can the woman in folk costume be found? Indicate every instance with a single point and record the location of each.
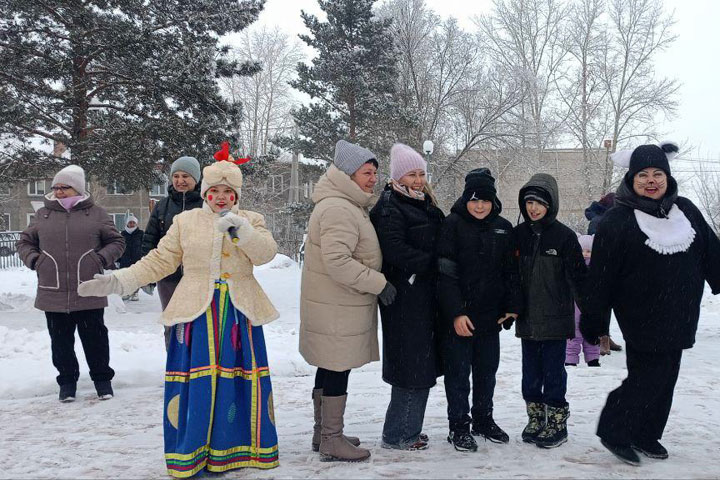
(218, 396)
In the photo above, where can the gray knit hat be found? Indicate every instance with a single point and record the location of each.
(349, 157)
(189, 165)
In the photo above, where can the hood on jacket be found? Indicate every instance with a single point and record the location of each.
(547, 183)
(337, 184)
(596, 209)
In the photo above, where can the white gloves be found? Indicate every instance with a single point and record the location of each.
(101, 286)
(243, 229)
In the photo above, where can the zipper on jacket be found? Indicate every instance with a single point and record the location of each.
(67, 261)
(183, 206)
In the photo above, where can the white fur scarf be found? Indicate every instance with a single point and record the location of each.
(666, 235)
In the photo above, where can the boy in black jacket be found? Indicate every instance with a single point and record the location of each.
(552, 272)
(478, 291)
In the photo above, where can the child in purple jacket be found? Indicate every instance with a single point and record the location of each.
(591, 352)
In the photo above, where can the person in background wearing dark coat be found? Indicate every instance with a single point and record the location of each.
(183, 194)
(652, 255)
(597, 210)
(594, 213)
(553, 274)
(407, 221)
(133, 248)
(479, 291)
(70, 240)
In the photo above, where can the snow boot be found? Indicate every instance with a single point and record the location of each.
(623, 452)
(317, 404)
(614, 346)
(650, 448)
(570, 364)
(333, 445)
(462, 441)
(104, 390)
(594, 363)
(555, 432)
(67, 392)
(486, 427)
(536, 421)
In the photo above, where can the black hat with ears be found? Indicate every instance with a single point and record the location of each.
(647, 156)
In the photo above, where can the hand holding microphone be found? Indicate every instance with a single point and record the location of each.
(237, 227)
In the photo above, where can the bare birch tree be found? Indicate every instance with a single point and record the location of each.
(266, 96)
(528, 38)
(638, 30)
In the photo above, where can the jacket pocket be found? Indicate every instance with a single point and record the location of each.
(47, 272)
(88, 265)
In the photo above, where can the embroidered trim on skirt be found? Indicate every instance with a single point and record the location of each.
(218, 396)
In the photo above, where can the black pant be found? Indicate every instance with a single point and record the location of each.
(166, 287)
(481, 354)
(334, 384)
(544, 379)
(94, 338)
(639, 408)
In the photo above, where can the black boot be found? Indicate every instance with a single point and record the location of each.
(650, 448)
(594, 363)
(462, 441)
(623, 452)
(536, 421)
(67, 392)
(104, 390)
(555, 432)
(487, 428)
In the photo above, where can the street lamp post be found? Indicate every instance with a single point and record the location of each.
(428, 149)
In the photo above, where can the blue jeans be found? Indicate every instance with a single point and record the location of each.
(481, 355)
(405, 416)
(544, 379)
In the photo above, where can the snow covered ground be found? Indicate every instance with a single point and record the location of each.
(122, 438)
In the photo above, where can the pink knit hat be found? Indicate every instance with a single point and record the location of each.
(403, 159)
(586, 241)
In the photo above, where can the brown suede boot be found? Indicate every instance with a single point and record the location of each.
(317, 405)
(333, 446)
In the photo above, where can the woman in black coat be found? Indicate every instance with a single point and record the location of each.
(407, 222)
(479, 290)
(652, 255)
(183, 194)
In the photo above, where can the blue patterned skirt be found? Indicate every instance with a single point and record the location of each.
(218, 396)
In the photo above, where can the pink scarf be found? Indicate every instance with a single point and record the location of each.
(69, 202)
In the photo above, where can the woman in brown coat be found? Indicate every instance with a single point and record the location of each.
(341, 282)
(70, 240)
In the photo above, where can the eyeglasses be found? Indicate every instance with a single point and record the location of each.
(57, 188)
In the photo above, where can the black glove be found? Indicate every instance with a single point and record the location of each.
(387, 296)
(507, 324)
(589, 328)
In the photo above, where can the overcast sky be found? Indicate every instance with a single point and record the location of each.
(692, 60)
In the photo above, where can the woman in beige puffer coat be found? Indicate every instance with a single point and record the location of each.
(341, 282)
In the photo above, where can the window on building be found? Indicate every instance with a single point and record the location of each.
(30, 218)
(4, 189)
(36, 187)
(159, 189)
(119, 220)
(117, 188)
(5, 222)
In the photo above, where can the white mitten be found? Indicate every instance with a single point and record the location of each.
(243, 229)
(101, 286)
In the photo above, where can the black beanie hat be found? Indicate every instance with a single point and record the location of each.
(647, 156)
(479, 185)
(537, 194)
